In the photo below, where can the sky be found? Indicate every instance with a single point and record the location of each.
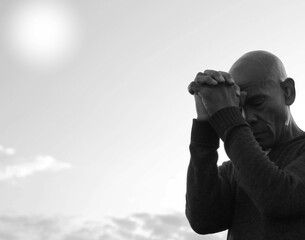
(95, 114)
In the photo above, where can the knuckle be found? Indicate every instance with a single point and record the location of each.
(209, 80)
(203, 79)
(228, 77)
(193, 85)
(210, 72)
(226, 74)
(199, 74)
(199, 77)
(215, 74)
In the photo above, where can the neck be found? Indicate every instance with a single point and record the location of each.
(290, 130)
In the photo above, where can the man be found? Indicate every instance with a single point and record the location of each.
(260, 193)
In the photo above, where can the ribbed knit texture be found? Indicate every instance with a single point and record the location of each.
(203, 133)
(226, 119)
(256, 196)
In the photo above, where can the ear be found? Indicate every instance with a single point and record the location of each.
(288, 89)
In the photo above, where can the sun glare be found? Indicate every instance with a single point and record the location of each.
(41, 34)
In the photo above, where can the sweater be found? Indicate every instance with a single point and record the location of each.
(255, 195)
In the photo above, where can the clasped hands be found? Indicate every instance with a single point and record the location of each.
(214, 90)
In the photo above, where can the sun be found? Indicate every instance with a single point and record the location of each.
(41, 34)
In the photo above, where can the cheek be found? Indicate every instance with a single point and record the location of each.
(275, 115)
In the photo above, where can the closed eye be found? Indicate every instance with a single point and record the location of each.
(257, 103)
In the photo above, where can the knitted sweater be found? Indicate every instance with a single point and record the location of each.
(255, 195)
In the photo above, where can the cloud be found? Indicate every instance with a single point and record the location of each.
(7, 151)
(23, 227)
(38, 164)
(144, 226)
(140, 226)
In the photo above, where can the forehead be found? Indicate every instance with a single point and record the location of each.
(254, 74)
(266, 88)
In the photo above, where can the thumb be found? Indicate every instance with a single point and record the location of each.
(242, 98)
(237, 90)
(194, 88)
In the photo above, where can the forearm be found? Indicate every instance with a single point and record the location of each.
(276, 192)
(208, 197)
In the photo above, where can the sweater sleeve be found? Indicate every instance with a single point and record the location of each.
(209, 199)
(276, 192)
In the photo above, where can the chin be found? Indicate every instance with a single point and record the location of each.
(266, 146)
(266, 141)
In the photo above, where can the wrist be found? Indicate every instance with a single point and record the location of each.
(202, 118)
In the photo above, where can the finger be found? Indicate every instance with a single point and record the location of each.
(229, 79)
(237, 90)
(194, 87)
(215, 75)
(243, 96)
(200, 74)
(205, 79)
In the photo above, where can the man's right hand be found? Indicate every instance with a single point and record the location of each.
(202, 113)
(210, 78)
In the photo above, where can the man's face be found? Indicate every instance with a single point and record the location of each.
(265, 110)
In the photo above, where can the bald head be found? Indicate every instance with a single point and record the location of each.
(258, 66)
(268, 94)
